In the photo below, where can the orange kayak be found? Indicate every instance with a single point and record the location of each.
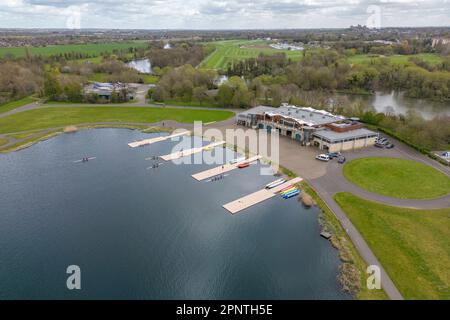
(243, 165)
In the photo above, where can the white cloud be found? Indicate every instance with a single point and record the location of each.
(221, 14)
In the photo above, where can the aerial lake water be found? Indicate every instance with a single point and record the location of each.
(150, 234)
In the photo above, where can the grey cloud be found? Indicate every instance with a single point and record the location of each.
(226, 13)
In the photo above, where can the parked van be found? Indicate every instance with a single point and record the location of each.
(323, 157)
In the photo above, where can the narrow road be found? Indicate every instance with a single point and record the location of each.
(359, 242)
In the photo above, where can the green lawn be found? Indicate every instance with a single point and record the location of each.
(412, 245)
(16, 104)
(396, 59)
(93, 49)
(103, 77)
(179, 103)
(58, 117)
(347, 251)
(232, 51)
(98, 77)
(398, 178)
(149, 78)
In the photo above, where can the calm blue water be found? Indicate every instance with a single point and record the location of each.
(149, 234)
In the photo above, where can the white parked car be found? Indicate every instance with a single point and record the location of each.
(323, 157)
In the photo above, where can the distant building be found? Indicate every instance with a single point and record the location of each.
(309, 126)
(286, 46)
(105, 90)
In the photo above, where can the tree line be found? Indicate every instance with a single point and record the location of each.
(328, 70)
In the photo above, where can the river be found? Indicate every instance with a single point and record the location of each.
(150, 234)
(397, 103)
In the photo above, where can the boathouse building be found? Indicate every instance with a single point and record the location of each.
(309, 126)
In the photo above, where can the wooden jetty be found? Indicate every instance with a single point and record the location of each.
(326, 235)
(257, 197)
(222, 169)
(186, 153)
(158, 139)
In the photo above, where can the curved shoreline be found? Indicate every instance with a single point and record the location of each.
(349, 277)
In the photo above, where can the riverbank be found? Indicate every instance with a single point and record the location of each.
(353, 267)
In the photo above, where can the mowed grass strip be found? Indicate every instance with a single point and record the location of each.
(63, 116)
(398, 178)
(396, 59)
(91, 49)
(16, 104)
(238, 50)
(412, 245)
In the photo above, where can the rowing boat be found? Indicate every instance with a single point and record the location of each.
(83, 160)
(285, 189)
(292, 194)
(288, 191)
(243, 165)
(275, 184)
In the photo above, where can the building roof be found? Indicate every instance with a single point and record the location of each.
(334, 136)
(305, 116)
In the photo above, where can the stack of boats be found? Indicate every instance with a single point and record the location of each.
(289, 192)
(286, 193)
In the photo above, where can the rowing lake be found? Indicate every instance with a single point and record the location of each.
(149, 234)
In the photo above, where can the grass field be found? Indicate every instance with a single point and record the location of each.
(103, 77)
(398, 178)
(396, 59)
(58, 117)
(16, 104)
(188, 104)
(235, 50)
(93, 49)
(412, 245)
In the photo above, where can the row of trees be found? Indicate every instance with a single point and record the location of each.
(64, 88)
(19, 79)
(178, 55)
(327, 70)
(184, 83)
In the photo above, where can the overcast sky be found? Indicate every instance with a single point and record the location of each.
(220, 14)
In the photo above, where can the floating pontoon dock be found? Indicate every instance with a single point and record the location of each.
(158, 139)
(222, 169)
(257, 197)
(186, 153)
